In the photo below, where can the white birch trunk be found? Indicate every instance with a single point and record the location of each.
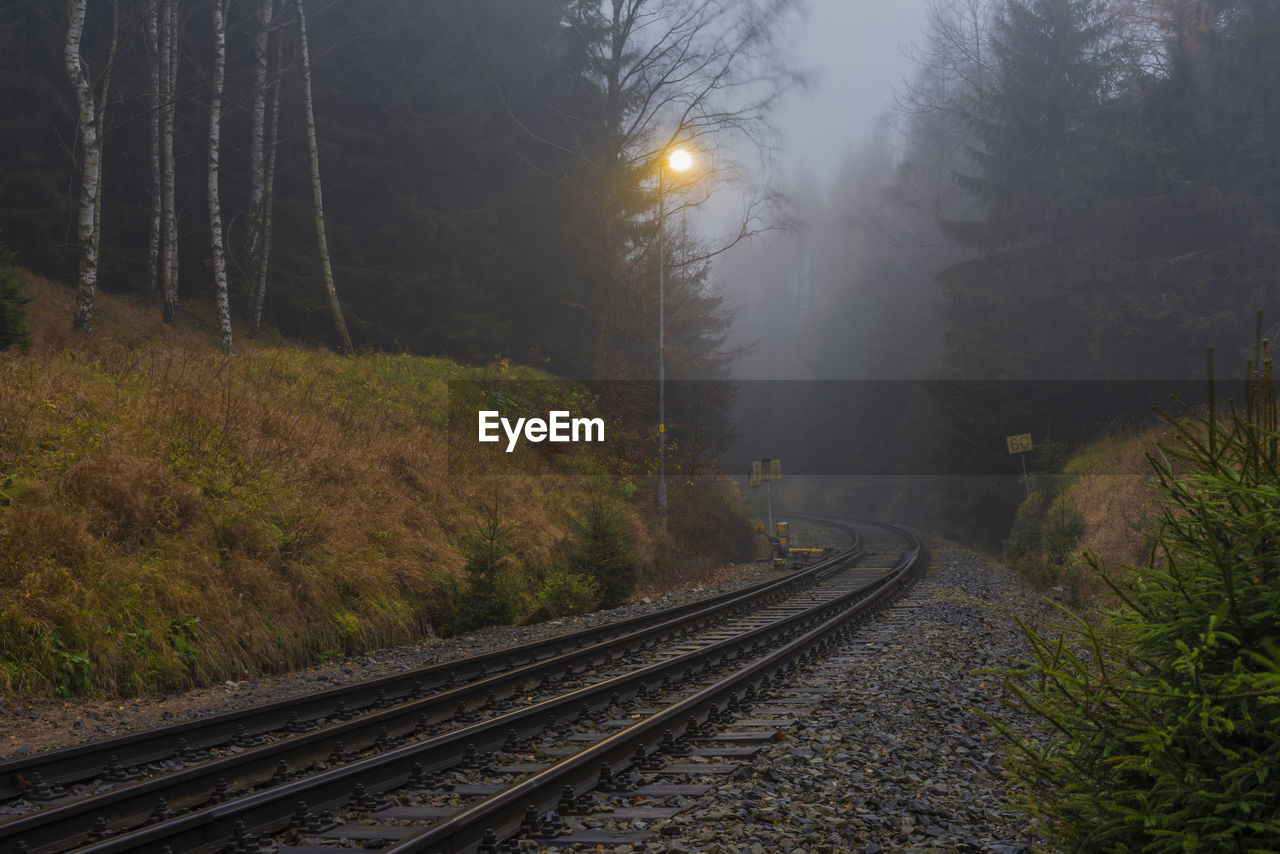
(344, 338)
(152, 13)
(257, 132)
(87, 127)
(169, 73)
(100, 116)
(268, 190)
(215, 202)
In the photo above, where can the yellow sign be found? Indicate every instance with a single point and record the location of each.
(767, 469)
(1019, 444)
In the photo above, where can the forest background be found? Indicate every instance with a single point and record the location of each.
(1069, 190)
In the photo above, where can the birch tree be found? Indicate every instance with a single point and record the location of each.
(340, 325)
(151, 38)
(689, 71)
(215, 202)
(954, 66)
(268, 195)
(257, 135)
(265, 136)
(169, 79)
(101, 118)
(90, 173)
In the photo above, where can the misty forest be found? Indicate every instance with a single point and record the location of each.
(1063, 189)
(1068, 200)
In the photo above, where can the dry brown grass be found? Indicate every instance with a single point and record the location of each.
(172, 516)
(1117, 504)
(1110, 484)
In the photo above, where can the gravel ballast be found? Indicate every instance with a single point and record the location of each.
(895, 757)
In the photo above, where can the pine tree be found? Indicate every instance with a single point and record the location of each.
(661, 72)
(1019, 309)
(1015, 311)
(604, 553)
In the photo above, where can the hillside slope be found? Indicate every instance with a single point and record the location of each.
(1101, 504)
(170, 516)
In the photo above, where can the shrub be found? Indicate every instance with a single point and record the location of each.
(710, 519)
(604, 553)
(565, 592)
(13, 305)
(1063, 527)
(1165, 716)
(491, 597)
(1044, 536)
(1022, 548)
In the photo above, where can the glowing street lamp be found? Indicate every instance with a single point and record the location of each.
(678, 160)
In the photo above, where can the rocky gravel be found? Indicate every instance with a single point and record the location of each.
(896, 757)
(30, 725)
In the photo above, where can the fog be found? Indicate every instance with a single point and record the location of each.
(855, 49)
(837, 140)
(1015, 199)
(966, 190)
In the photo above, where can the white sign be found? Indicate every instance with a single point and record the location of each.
(1019, 444)
(767, 469)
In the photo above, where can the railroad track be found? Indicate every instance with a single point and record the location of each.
(455, 757)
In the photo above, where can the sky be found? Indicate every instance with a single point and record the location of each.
(855, 53)
(855, 49)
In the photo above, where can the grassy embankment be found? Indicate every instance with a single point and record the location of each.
(170, 516)
(1101, 503)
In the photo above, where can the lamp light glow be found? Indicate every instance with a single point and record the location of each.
(680, 160)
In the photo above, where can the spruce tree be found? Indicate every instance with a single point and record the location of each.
(604, 554)
(1018, 307)
(1161, 720)
(1011, 310)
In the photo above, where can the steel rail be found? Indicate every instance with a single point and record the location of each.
(212, 827)
(86, 761)
(59, 827)
(503, 812)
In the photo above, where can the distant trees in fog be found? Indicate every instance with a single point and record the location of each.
(1079, 189)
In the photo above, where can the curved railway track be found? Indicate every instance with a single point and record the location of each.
(462, 755)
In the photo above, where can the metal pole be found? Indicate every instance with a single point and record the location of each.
(662, 414)
(769, 498)
(1026, 481)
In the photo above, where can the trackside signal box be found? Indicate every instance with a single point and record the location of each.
(781, 544)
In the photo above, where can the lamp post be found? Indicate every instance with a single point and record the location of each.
(680, 161)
